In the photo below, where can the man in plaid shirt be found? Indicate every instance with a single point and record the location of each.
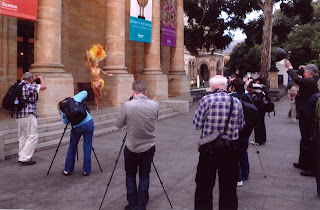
(211, 116)
(27, 119)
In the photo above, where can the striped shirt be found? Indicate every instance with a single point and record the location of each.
(212, 113)
(30, 108)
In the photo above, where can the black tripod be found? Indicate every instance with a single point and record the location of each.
(117, 160)
(65, 128)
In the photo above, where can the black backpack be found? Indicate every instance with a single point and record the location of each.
(15, 92)
(74, 111)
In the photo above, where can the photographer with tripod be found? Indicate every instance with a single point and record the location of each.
(139, 115)
(308, 87)
(83, 128)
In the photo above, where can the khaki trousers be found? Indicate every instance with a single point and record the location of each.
(28, 136)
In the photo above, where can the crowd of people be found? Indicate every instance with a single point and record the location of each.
(227, 118)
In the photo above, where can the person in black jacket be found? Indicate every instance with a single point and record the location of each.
(251, 118)
(308, 87)
(258, 92)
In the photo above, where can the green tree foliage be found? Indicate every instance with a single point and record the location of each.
(300, 43)
(206, 28)
(282, 26)
(245, 58)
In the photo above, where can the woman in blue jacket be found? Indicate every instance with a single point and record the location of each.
(85, 128)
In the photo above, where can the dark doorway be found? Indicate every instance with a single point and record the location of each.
(25, 46)
(204, 72)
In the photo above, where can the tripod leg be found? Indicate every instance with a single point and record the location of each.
(65, 128)
(162, 184)
(124, 139)
(258, 153)
(97, 159)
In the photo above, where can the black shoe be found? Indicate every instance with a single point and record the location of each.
(127, 207)
(298, 165)
(27, 163)
(307, 173)
(66, 173)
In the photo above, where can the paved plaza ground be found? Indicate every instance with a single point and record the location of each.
(28, 187)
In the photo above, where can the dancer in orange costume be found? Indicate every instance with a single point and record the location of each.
(96, 54)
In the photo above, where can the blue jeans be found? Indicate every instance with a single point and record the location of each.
(87, 131)
(243, 164)
(138, 199)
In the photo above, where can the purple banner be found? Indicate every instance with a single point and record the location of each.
(169, 36)
(169, 24)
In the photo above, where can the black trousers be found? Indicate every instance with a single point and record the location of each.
(317, 160)
(226, 164)
(306, 146)
(260, 129)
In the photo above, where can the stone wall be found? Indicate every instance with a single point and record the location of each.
(82, 27)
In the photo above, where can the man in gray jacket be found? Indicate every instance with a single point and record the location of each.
(139, 115)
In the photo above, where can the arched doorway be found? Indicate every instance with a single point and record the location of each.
(204, 72)
(219, 70)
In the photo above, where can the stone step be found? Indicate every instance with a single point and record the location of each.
(51, 129)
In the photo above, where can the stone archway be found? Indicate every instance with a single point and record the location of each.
(204, 72)
(219, 70)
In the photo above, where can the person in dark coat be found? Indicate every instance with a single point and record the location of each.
(308, 87)
(313, 115)
(258, 93)
(244, 134)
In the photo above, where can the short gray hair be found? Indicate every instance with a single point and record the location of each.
(313, 69)
(27, 76)
(218, 80)
(139, 86)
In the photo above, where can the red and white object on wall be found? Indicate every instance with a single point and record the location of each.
(25, 9)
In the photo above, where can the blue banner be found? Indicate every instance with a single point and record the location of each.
(140, 30)
(140, 20)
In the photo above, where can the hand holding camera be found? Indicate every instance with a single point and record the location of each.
(37, 80)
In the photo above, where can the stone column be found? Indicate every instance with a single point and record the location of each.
(274, 91)
(157, 82)
(8, 53)
(47, 58)
(117, 87)
(179, 82)
(8, 63)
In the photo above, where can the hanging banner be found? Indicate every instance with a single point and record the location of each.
(25, 9)
(169, 23)
(140, 20)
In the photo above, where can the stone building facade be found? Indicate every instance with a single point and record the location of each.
(66, 29)
(205, 65)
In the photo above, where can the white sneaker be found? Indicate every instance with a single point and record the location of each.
(294, 120)
(240, 184)
(252, 142)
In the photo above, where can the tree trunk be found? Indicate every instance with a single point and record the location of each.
(266, 39)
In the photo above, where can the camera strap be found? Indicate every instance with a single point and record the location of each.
(229, 116)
